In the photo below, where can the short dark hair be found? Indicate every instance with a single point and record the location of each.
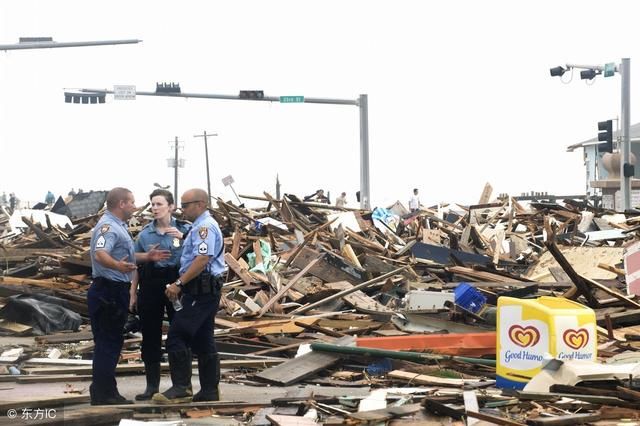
(164, 193)
(415, 189)
(116, 195)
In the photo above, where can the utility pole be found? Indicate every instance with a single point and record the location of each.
(277, 187)
(206, 159)
(175, 162)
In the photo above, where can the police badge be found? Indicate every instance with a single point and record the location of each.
(203, 232)
(176, 242)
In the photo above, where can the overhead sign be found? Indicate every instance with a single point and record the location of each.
(124, 93)
(227, 180)
(291, 99)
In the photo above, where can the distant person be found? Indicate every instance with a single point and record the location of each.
(80, 191)
(414, 201)
(3, 199)
(341, 201)
(50, 198)
(72, 192)
(318, 197)
(13, 201)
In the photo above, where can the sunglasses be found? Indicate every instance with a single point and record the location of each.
(184, 205)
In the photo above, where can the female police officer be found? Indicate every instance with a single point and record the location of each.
(165, 233)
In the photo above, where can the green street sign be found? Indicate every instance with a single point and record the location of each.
(609, 69)
(291, 99)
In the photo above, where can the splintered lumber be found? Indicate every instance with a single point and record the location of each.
(282, 420)
(613, 293)
(359, 300)
(567, 420)
(423, 379)
(286, 288)
(579, 281)
(236, 267)
(42, 402)
(385, 413)
(408, 356)
(327, 269)
(92, 416)
(64, 337)
(39, 283)
(470, 405)
(139, 367)
(294, 370)
(493, 419)
(15, 327)
(350, 290)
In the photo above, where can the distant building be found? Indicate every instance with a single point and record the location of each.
(594, 169)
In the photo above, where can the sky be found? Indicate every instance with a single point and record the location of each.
(459, 95)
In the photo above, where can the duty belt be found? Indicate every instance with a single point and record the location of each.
(204, 283)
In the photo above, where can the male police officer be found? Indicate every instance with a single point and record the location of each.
(201, 268)
(113, 262)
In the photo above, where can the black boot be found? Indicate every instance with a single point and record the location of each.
(209, 373)
(180, 391)
(152, 371)
(99, 398)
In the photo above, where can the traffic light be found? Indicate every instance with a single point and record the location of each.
(251, 94)
(167, 87)
(605, 134)
(84, 98)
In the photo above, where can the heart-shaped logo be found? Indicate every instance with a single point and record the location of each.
(524, 336)
(576, 339)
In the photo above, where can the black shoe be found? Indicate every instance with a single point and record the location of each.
(180, 391)
(112, 400)
(152, 371)
(209, 374)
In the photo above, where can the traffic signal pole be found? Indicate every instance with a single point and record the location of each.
(624, 69)
(363, 107)
(625, 121)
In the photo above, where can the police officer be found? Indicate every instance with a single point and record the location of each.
(166, 233)
(199, 285)
(114, 262)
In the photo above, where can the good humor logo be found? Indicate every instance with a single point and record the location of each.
(524, 337)
(576, 340)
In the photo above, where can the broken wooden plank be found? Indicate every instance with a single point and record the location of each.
(290, 284)
(301, 367)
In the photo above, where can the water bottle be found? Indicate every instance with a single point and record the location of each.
(177, 304)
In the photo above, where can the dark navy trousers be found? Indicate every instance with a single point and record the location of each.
(108, 303)
(192, 327)
(152, 304)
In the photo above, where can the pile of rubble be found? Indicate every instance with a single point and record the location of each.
(401, 304)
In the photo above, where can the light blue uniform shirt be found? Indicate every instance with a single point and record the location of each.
(205, 239)
(112, 235)
(149, 237)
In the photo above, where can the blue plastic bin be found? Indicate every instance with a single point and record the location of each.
(469, 298)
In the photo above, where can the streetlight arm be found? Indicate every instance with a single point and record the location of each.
(54, 44)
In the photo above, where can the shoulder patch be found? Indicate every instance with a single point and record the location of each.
(100, 242)
(203, 248)
(104, 228)
(203, 232)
